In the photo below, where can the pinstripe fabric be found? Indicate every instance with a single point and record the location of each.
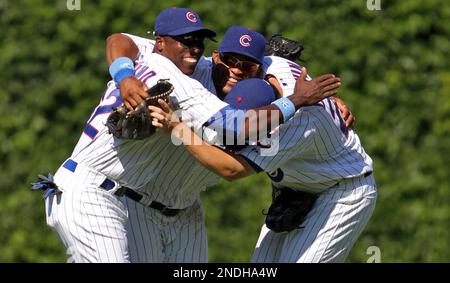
(282, 70)
(172, 177)
(144, 45)
(303, 139)
(286, 72)
(154, 237)
(315, 150)
(136, 163)
(330, 229)
(315, 153)
(89, 220)
(91, 223)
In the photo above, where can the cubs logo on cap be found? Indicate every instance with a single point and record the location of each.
(191, 17)
(180, 21)
(243, 41)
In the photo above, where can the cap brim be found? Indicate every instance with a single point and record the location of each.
(206, 32)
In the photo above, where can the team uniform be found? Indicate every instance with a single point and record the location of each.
(89, 216)
(153, 236)
(315, 153)
(286, 72)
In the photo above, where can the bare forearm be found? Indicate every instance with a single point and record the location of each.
(119, 45)
(224, 164)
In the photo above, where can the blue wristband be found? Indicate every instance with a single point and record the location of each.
(286, 107)
(121, 68)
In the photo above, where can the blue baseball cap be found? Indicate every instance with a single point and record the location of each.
(180, 21)
(250, 94)
(244, 41)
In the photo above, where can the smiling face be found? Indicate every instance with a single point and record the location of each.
(230, 68)
(184, 51)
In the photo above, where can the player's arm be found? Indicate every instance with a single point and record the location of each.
(225, 164)
(122, 47)
(345, 110)
(217, 160)
(306, 92)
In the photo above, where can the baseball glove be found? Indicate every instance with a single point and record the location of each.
(288, 209)
(137, 124)
(281, 46)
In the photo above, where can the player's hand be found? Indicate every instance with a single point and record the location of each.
(164, 118)
(133, 92)
(346, 112)
(313, 91)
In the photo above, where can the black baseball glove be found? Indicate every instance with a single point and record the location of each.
(288, 209)
(137, 124)
(281, 46)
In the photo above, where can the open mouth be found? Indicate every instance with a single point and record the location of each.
(232, 80)
(190, 60)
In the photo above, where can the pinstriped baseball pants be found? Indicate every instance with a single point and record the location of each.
(156, 238)
(89, 220)
(330, 229)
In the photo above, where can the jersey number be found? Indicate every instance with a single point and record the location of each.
(114, 100)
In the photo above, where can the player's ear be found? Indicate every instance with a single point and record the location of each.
(215, 56)
(159, 44)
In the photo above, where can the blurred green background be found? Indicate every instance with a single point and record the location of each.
(394, 64)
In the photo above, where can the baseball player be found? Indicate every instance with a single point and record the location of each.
(317, 155)
(84, 207)
(331, 164)
(137, 48)
(146, 226)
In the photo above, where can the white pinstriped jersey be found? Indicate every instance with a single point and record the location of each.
(137, 164)
(144, 45)
(286, 71)
(327, 155)
(202, 72)
(187, 186)
(315, 150)
(187, 176)
(316, 153)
